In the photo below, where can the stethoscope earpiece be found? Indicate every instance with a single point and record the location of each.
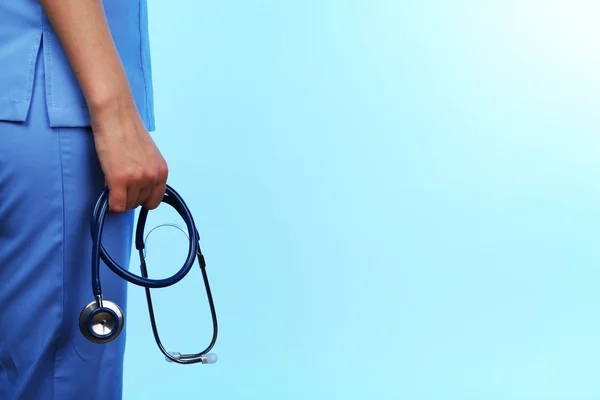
(101, 321)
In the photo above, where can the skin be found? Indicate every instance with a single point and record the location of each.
(135, 171)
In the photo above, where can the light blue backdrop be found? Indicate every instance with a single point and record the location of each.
(397, 200)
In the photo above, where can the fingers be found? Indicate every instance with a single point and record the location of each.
(117, 198)
(126, 198)
(147, 192)
(133, 194)
(156, 196)
(142, 196)
(123, 199)
(158, 190)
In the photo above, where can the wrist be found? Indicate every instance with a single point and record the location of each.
(103, 97)
(103, 106)
(112, 112)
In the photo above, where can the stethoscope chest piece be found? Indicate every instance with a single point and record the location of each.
(101, 323)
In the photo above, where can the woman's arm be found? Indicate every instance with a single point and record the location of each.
(83, 32)
(135, 171)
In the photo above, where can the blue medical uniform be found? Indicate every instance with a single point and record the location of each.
(50, 177)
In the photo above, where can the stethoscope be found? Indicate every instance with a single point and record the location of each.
(101, 321)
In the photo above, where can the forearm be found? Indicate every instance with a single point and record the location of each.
(84, 34)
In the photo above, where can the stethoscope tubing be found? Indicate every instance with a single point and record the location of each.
(100, 253)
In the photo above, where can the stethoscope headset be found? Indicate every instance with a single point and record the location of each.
(101, 321)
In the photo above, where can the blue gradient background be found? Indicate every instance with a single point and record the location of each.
(397, 200)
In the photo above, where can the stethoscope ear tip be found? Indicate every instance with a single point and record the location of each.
(209, 358)
(174, 355)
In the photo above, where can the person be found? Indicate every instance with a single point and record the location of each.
(76, 112)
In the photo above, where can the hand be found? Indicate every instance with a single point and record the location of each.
(135, 171)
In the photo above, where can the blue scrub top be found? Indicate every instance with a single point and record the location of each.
(23, 29)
